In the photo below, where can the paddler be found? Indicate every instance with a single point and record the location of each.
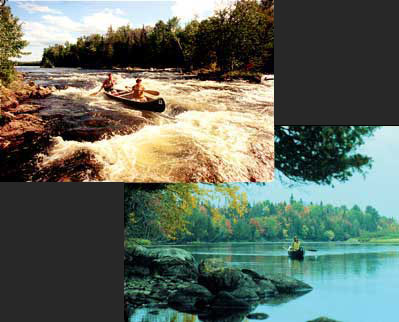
(296, 245)
(109, 83)
(138, 91)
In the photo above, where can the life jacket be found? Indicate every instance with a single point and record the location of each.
(296, 245)
(138, 91)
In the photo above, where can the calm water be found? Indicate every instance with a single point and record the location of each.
(352, 283)
(209, 132)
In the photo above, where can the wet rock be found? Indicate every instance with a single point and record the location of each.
(9, 104)
(191, 298)
(257, 316)
(61, 87)
(13, 133)
(209, 265)
(288, 285)
(265, 287)
(228, 279)
(226, 300)
(25, 109)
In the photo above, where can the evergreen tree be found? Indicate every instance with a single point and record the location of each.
(11, 44)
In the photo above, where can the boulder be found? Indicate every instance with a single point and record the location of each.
(288, 285)
(265, 287)
(162, 261)
(226, 279)
(9, 104)
(190, 299)
(209, 265)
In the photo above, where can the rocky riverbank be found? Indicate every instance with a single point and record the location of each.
(22, 131)
(171, 277)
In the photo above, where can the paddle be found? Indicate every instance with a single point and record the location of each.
(96, 93)
(156, 93)
(148, 91)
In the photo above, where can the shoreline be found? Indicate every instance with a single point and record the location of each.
(200, 74)
(171, 278)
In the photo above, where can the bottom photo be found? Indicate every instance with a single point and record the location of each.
(320, 243)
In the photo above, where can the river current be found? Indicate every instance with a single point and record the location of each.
(210, 132)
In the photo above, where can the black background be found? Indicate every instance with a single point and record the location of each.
(62, 244)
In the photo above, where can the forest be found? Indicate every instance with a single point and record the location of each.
(240, 37)
(239, 220)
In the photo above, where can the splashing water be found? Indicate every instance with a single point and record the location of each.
(210, 131)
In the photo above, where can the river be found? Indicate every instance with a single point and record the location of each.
(352, 283)
(210, 132)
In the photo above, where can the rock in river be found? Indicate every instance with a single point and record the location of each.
(190, 299)
(164, 262)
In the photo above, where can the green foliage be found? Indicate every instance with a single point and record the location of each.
(321, 154)
(11, 44)
(184, 212)
(233, 38)
(132, 242)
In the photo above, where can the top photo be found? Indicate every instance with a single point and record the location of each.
(137, 91)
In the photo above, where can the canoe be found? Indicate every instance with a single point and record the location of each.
(296, 254)
(153, 105)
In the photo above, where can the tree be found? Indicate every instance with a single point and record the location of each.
(11, 44)
(321, 154)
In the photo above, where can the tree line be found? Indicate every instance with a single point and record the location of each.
(263, 221)
(236, 38)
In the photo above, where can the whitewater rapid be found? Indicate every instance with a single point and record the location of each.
(210, 131)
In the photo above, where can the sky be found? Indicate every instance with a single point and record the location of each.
(51, 22)
(379, 188)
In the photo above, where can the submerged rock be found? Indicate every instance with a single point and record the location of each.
(257, 316)
(288, 285)
(323, 319)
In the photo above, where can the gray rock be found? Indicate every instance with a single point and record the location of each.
(227, 279)
(160, 261)
(209, 265)
(288, 285)
(191, 298)
(226, 300)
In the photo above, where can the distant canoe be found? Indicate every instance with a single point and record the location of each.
(152, 105)
(299, 254)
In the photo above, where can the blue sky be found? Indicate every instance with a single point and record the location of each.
(380, 187)
(49, 22)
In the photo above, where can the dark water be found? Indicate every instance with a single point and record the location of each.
(352, 283)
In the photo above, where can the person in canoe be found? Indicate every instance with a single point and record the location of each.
(296, 245)
(108, 84)
(138, 91)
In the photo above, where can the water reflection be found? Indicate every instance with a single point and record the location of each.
(351, 282)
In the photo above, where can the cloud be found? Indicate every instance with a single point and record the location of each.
(95, 23)
(31, 8)
(188, 10)
(56, 29)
